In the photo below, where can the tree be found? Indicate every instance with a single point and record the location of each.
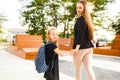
(2, 19)
(35, 17)
(100, 4)
(116, 24)
(39, 14)
(98, 9)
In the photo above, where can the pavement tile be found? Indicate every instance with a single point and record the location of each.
(16, 68)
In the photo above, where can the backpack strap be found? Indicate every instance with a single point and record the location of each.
(51, 63)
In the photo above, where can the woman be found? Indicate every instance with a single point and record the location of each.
(83, 35)
(52, 52)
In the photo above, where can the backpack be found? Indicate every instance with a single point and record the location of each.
(40, 61)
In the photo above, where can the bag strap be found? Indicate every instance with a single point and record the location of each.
(51, 63)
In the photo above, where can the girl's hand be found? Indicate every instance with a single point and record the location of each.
(71, 52)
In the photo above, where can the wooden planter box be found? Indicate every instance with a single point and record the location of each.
(65, 43)
(26, 46)
(113, 50)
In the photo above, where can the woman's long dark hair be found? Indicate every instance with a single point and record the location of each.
(87, 17)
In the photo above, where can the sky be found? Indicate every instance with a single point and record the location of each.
(10, 9)
(114, 8)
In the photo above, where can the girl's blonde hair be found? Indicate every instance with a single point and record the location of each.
(48, 32)
(87, 17)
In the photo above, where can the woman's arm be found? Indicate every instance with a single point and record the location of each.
(57, 50)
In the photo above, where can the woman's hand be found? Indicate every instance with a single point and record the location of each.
(76, 51)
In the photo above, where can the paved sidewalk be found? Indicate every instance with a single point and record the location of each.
(15, 68)
(105, 67)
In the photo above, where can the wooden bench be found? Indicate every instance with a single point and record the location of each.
(113, 50)
(65, 43)
(26, 46)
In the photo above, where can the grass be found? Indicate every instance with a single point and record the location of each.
(4, 43)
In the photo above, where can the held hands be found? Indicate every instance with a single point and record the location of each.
(74, 51)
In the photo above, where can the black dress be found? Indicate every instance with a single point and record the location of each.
(52, 60)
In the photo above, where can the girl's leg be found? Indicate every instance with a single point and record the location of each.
(77, 59)
(87, 61)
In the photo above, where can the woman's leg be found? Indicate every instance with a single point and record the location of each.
(77, 59)
(87, 61)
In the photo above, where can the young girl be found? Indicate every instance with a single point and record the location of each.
(52, 52)
(83, 35)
